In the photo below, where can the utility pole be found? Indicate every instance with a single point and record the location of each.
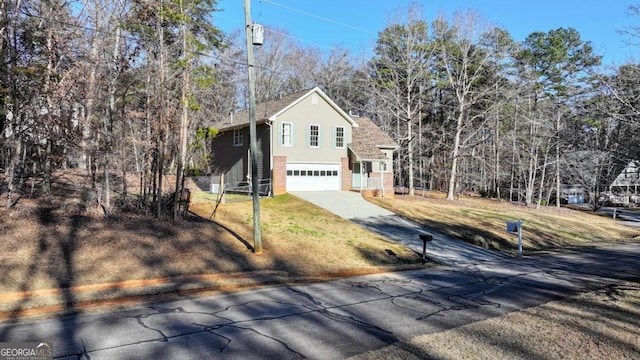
(253, 151)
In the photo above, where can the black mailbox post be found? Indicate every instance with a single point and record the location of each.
(425, 239)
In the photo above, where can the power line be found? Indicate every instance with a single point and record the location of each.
(288, 36)
(320, 17)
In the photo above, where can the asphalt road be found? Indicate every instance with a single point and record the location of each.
(624, 216)
(330, 320)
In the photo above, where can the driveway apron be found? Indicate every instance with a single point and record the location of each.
(443, 249)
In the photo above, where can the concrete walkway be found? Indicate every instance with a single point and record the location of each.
(443, 249)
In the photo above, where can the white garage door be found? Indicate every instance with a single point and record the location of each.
(313, 177)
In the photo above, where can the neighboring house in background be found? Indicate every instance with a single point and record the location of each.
(625, 188)
(573, 194)
(306, 143)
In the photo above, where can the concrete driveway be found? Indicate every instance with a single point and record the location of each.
(443, 249)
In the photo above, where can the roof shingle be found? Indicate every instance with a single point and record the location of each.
(368, 138)
(264, 111)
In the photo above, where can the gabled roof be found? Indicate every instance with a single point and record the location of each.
(630, 176)
(368, 139)
(270, 110)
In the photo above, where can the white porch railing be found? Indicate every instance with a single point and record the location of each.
(374, 183)
(619, 199)
(369, 184)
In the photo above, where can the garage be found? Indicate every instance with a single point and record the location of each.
(313, 177)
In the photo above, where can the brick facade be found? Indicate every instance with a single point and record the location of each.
(279, 176)
(387, 184)
(346, 174)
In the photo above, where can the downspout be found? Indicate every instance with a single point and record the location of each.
(270, 124)
(381, 178)
(361, 175)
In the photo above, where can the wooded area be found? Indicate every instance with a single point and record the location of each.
(134, 87)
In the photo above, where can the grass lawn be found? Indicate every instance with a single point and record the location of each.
(57, 242)
(303, 239)
(61, 241)
(483, 222)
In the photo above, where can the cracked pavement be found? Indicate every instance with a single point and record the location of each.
(330, 320)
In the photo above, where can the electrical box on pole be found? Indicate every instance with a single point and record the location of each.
(257, 34)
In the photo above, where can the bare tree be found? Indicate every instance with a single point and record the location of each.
(343, 81)
(467, 50)
(558, 61)
(283, 66)
(399, 71)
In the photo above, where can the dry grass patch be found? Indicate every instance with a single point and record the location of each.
(482, 221)
(596, 325)
(62, 241)
(52, 249)
(304, 239)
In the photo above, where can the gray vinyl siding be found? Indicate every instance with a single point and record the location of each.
(302, 115)
(375, 165)
(233, 160)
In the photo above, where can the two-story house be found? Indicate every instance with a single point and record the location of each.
(306, 143)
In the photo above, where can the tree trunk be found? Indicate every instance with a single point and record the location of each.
(410, 149)
(558, 159)
(148, 174)
(49, 102)
(496, 154)
(86, 161)
(542, 178)
(13, 164)
(533, 165)
(109, 121)
(123, 152)
(162, 125)
(184, 121)
(160, 170)
(514, 152)
(47, 167)
(455, 153)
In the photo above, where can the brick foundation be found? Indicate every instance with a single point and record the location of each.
(387, 184)
(346, 174)
(279, 175)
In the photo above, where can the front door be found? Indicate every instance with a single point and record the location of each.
(359, 180)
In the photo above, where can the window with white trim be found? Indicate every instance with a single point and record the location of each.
(286, 134)
(314, 136)
(237, 137)
(339, 137)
